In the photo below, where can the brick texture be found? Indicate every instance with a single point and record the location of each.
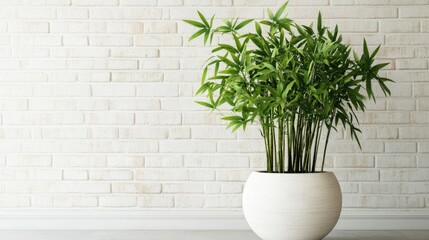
(97, 106)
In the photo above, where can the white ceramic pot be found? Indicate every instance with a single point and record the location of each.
(292, 206)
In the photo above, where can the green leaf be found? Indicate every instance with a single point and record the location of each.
(280, 11)
(319, 22)
(203, 19)
(233, 118)
(365, 49)
(197, 34)
(377, 67)
(270, 14)
(243, 24)
(258, 29)
(204, 76)
(195, 23)
(205, 104)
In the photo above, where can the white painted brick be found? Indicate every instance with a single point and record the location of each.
(136, 188)
(423, 104)
(421, 90)
(202, 175)
(184, 187)
(411, 63)
(370, 201)
(96, 174)
(156, 201)
(183, 12)
(201, 118)
(75, 40)
(404, 175)
(189, 201)
(385, 117)
(37, 40)
(395, 161)
(14, 201)
(134, 53)
(157, 90)
(61, 132)
(212, 132)
(103, 133)
(118, 201)
(354, 161)
(414, 12)
(157, 161)
(355, 25)
(158, 40)
(62, 90)
(401, 147)
(79, 52)
(212, 188)
(158, 118)
(95, 2)
(42, 118)
(138, 2)
(75, 201)
(137, 77)
(400, 104)
(29, 160)
(223, 161)
(125, 161)
(68, 27)
(387, 132)
(134, 104)
(398, 26)
(423, 160)
(162, 174)
(160, 64)
(160, 27)
(423, 147)
(89, 187)
(183, 146)
(241, 147)
(179, 133)
(222, 201)
(364, 175)
(414, 132)
(13, 104)
(407, 39)
(385, 188)
(347, 187)
(232, 175)
(71, 160)
(109, 118)
(75, 174)
(110, 41)
(29, 27)
(92, 104)
(125, 146)
(35, 13)
(125, 13)
(231, 188)
(24, 77)
(143, 132)
(113, 90)
(72, 13)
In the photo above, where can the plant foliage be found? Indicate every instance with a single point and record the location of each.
(295, 80)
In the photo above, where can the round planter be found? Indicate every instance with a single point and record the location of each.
(292, 206)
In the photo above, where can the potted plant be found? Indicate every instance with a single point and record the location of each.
(298, 83)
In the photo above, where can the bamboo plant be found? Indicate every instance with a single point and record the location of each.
(298, 82)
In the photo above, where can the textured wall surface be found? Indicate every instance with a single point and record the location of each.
(97, 110)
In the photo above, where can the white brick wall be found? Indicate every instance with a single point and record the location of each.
(96, 106)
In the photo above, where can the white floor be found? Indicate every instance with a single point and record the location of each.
(198, 235)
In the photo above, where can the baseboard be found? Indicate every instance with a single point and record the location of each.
(194, 220)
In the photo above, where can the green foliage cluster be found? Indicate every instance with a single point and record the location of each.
(295, 80)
